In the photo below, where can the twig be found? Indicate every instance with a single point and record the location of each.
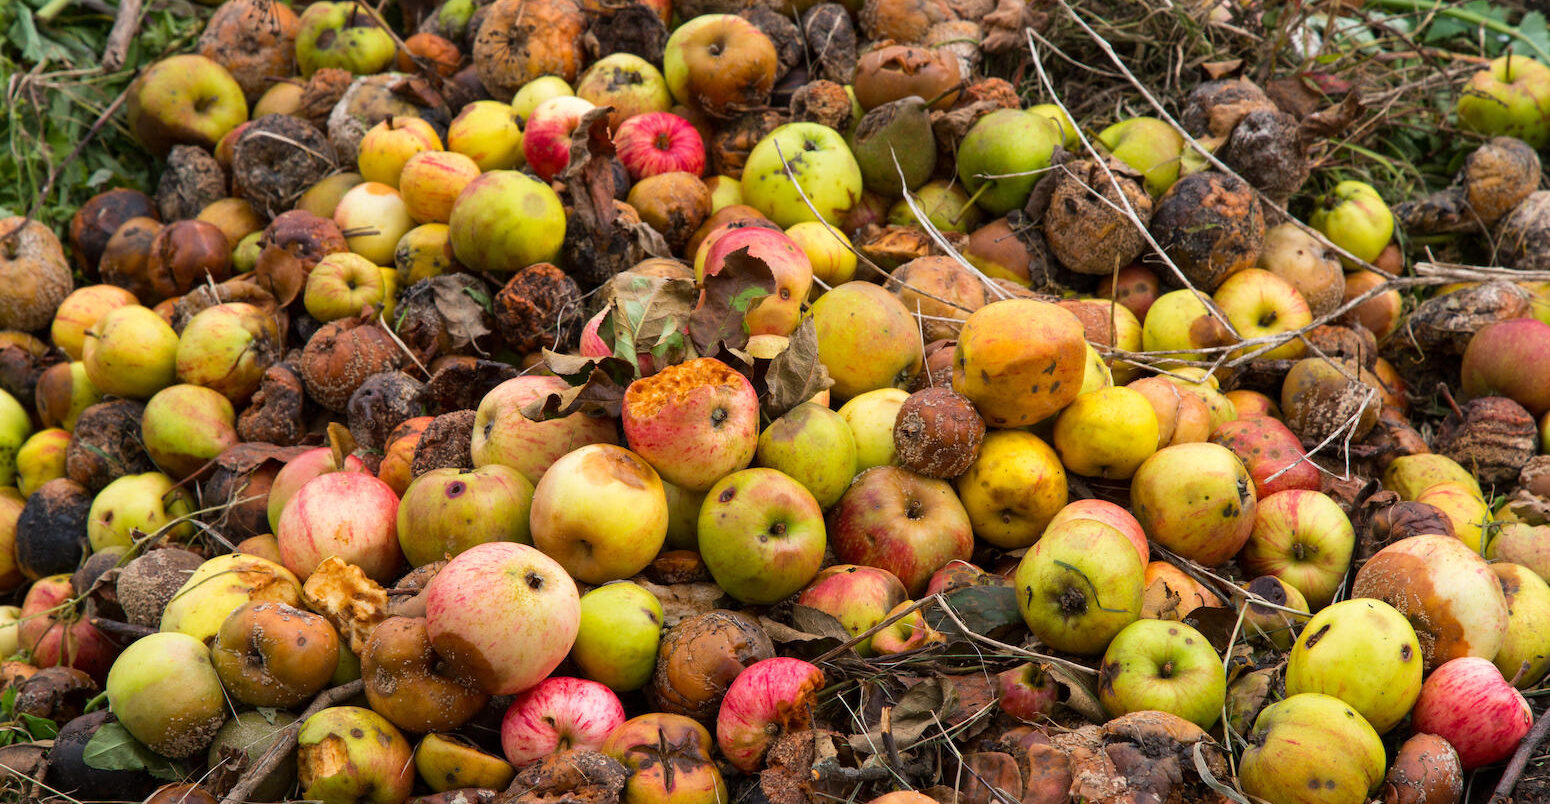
(1514, 771)
(125, 24)
(281, 748)
(123, 633)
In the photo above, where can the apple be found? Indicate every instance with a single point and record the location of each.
(1524, 656)
(1182, 417)
(820, 163)
(1303, 538)
(537, 91)
(858, 597)
(1106, 433)
(867, 340)
(828, 250)
(658, 142)
(185, 427)
(1180, 324)
(352, 515)
(184, 100)
(227, 348)
(1467, 702)
(1052, 111)
(484, 236)
(620, 628)
(1149, 146)
(1382, 684)
(322, 198)
(629, 84)
(1014, 489)
(1409, 475)
(871, 417)
(504, 615)
(1307, 264)
(1079, 586)
(725, 191)
(1354, 217)
(1019, 361)
(719, 64)
(10, 630)
(1170, 593)
(895, 520)
(1447, 591)
(80, 312)
(1271, 452)
(41, 458)
(136, 506)
(131, 353)
(768, 699)
(388, 145)
(761, 535)
(373, 216)
(1196, 500)
(1027, 692)
(600, 511)
(1510, 98)
(559, 714)
(669, 759)
(1009, 144)
(1165, 666)
(54, 633)
(409, 684)
(345, 36)
(297, 471)
(694, 422)
(15, 427)
(1109, 514)
(503, 435)
(1134, 286)
(1502, 359)
(222, 584)
(446, 511)
(271, 654)
(1382, 312)
(779, 312)
(63, 392)
(341, 285)
(1261, 305)
(1313, 749)
(348, 753)
(448, 762)
(430, 182)
(490, 133)
(165, 693)
(814, 446)
(1464, 509)
(945, 204)
(546, 140)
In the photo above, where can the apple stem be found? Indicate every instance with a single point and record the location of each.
(970, 203)
(52, 10)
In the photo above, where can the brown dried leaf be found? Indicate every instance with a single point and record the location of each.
(1334, 120)
(743, 281)
(597, 387)
(281, 273)
(796, 374)
(1217, 70)
(465, 308)
(353, 603)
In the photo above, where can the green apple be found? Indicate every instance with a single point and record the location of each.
(762, 535)
(945, 204)
(341, 285)
(15, 426)
(165, 692)
(228, 347)
(1311, 749)
(1180, 323)
(132, 353)
(221, 584)
(1079, 586)
(1003, 143)
(683, 517)
(186, 426)
(537, 91)
(145, 503)
(347, 36)
(64, 391)
(351, 754)
(821, 165)
(871, 417)
(1163, 665)
(1511, 98)
(1052, 111)
(1354, 217)
(504, 221)
(10, 630)
(184, 100)
(1364, 652)
(815, 447)
(867, 339)
(490, 132)
(446, 511)
(621, 624)
(1148, 145)
(1524, 656)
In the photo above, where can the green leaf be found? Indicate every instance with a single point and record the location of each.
(113, 748)
(41, 728)
(8, 703)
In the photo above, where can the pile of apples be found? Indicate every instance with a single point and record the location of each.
(537, 385)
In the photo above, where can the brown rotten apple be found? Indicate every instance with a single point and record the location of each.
(720, 64)
(271, 654)
(409, 684)
(669, 757)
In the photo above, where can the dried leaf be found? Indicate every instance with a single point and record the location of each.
(795, 375)
(916, 715)
(743, 281)
(598, 243)
(1080, 696)
(249, 456)
(987, 610)
(650, 314)
(817, 622)
(1334, 120)
(1216, 623)
(464, 308)
(281, 273)
(1217, 70)
(589, 173)
(597, 387)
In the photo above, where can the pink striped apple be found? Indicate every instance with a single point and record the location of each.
(559, 714)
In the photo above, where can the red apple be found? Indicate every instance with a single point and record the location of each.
(1304, 538)
(546, 142)
(781, 311)
(560, 714)
(1510, 358)
(430, 183)
(902, 522)
(349, 514)
(54, 633)
(1027, 692)
(1109, 514)
(1135, 286)
(503, 615)
(695, 422)
(767, 699)
(859, 597)
(659, 142)
(297, 471)
(1468, 703)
